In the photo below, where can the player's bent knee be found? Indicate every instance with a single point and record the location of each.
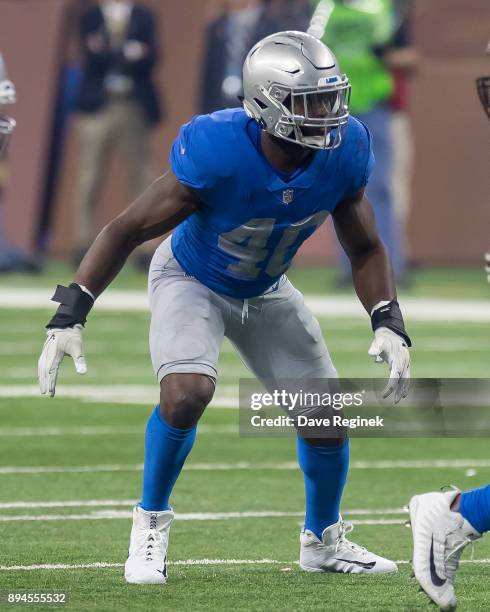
(184, 397)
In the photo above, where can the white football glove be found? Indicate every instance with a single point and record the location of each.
(392, 349)
(60, 342)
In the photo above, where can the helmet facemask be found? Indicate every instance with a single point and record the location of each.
(311, 117)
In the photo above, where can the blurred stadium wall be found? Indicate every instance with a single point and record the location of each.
(450, 213)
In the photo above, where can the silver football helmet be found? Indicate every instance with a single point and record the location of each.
(7, 96)
(294, 88)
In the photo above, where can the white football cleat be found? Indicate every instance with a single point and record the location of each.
(335, 553)
(439, 537)
(147, 557)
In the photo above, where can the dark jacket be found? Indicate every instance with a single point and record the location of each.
(293, 15)
(215, 58)
(96, 66)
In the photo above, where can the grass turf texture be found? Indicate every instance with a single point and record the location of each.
(116, 348)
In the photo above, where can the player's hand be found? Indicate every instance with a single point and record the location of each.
(392, 349)
(60, 342)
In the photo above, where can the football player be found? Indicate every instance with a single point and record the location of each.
(246, 188)
(444, 523)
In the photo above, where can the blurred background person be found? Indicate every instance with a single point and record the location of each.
(483, 88)
(361, 33)
(11, 259)
(402, 60)
(65, 105)
(117, 101)
(290, 14)
(228, 39)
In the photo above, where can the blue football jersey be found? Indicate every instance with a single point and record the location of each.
(252, 218)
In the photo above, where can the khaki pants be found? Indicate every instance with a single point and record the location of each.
(120, 126)
(402, 164)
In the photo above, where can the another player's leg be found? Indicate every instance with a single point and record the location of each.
(442, 525)
(185, 336)
(301, 353)
(474, 506)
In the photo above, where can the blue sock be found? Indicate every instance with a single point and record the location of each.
(475, 508)
(325, 472)
(166, 449)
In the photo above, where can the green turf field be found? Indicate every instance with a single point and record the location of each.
(70, 470)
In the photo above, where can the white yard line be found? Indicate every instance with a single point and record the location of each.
(21, 432)
(105, 515)
(103, 565)
(445, 345)
(227, 395)
(183, 562)
(328, 306)
(96, 503)
(80, 503)
(244, 465)
(414, 309)
(141, 395)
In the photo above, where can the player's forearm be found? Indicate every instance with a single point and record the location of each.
(160, 208)
(373, 276)
(105, 258)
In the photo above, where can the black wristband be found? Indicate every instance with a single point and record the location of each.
(75, 304)
(390, 316)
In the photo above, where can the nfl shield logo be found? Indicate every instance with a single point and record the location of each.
(287, 196)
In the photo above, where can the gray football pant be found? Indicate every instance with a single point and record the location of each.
(275, 334)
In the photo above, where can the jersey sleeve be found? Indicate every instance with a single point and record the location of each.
(192, 158)
(358, 158)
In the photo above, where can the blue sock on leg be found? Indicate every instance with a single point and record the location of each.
(166, 449)
(475, 507)
(325, 472)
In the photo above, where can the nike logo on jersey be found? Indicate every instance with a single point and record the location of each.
(367, 565)
(434, 576)
(182, 150)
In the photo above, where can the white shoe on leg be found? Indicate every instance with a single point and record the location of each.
(147, 557)
(439, 537)
(335, 553)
